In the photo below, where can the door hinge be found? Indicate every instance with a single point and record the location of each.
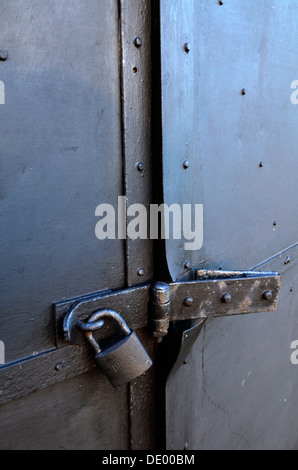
(206, 294)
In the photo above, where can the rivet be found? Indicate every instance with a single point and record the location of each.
(261, 164)
(59, 366)
(187, 47)
(292, 289)
(3, 55)
(138, 42)
(243, 92)
(141, 272)
(226, 299)
(140, 166)
(185, 361)
(187, 265)
(186, 164)
(274, 223)
(220, 2)
(267, 295)
(188, 302)
(288, 260)
(186, 446)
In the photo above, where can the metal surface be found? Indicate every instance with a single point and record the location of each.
(186, 300)
(235, 123)
(60, 148)
(67, 129)
(136, 115)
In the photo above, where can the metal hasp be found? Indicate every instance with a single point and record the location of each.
(213, 294)
(206, 294)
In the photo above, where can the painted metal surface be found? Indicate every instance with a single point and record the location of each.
(60, 147)
(227, 110)
(67, 126)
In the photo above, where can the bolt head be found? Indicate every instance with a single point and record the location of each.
(59, 366)
(268, 295)
(3, 55)
(186, 164)
(140, 166)
(141, 272)
(226, 299)
(138, 42)
(188, 302)
(187, 47)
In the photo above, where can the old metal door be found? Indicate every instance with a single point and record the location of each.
(76, 112)
(76, 132)
(228, 72)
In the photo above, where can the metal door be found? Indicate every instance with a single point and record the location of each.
(228, 94)
(76, 112)
(87, 119)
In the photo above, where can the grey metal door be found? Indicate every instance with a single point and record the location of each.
(76, 88)
(228, 72)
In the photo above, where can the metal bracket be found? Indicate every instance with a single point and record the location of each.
(207, 294)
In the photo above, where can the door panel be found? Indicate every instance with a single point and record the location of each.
(235, 124)
(68, 144)
(60, 150)
(83, 413)
(225, 135)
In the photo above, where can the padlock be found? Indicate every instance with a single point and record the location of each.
(123, 360)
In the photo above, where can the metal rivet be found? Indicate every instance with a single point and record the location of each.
(292, 289)
(261, 164)
(226, 298)
(288, 260)
(185, 361)
(243, 92)
(141, 272)
(267, 295)
(59, 366)
(135, 70)
(140, 166)
(188, 302)
(138, 42)
(186, 446)
(187, 265)
(186, 164)
(3, 55)
(187, 47)
(274, 223)
(220, 2)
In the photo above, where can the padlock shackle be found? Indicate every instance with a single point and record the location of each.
(112, 315)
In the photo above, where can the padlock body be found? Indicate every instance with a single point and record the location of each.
(124, 361)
